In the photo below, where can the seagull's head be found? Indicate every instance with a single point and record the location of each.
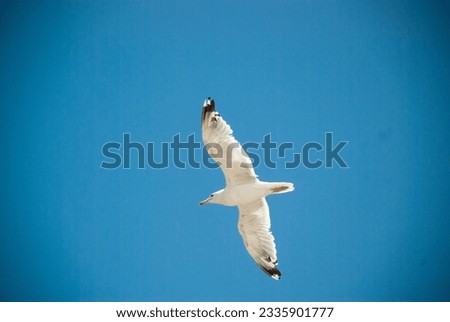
(215, 197)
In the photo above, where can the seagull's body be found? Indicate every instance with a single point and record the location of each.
(245, 193)
(243, 189)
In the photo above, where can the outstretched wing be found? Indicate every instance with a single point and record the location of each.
(254, 227)
(224, 148)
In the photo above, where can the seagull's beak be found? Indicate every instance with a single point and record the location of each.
(204, 202)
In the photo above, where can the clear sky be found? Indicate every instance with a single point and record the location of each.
(78, 74)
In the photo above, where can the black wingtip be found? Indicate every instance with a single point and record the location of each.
(208, 107)
(272, 272)
(209, 102)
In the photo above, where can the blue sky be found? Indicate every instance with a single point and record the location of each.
(78, 74)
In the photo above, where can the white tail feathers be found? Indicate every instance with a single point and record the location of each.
(281, 187)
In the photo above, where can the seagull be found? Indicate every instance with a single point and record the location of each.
(243, 189)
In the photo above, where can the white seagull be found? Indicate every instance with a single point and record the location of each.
(243, 189)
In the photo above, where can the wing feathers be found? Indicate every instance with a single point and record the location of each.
(254, 227)
(224, 148)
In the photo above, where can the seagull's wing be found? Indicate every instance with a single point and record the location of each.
(254, 227)
(224, 148)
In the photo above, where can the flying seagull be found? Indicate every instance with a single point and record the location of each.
(243, 189)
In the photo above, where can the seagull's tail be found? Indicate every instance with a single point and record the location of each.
(280, 187)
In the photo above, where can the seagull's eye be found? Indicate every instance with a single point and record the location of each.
(212, 195)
